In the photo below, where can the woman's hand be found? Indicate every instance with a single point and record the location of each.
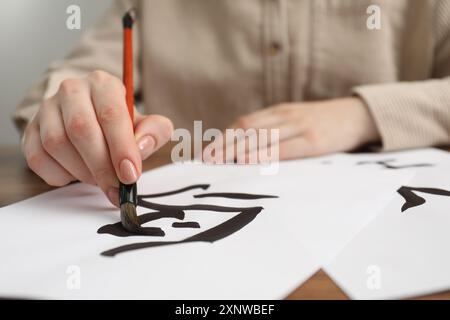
(84, 133)
(309, 129)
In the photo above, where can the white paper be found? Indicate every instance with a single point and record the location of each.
(333, 206)
(47, 240)
(401, 254)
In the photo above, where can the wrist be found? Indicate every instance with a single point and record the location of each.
(368, 131)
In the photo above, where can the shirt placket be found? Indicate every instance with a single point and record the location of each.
(276, 52)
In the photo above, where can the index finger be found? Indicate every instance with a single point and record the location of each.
(108, 97)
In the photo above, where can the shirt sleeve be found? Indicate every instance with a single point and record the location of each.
(100, 48)
(415, 114)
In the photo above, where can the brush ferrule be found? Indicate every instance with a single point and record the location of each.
(128, 193)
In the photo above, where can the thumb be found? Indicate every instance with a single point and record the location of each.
(151, 132)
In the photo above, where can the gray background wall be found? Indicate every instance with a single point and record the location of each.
(33, 33)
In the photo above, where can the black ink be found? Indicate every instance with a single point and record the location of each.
(245, 215)
(230, 195)
(413, 200)
(187, 224)
(164, 194)
(205, 207)
(118, 230)
(385, 163)
(218, 232)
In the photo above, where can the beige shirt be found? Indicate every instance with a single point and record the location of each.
(217, 60)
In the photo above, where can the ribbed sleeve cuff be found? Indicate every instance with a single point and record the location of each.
(409, 114)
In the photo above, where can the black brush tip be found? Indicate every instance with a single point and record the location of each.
(129, 218)
(128, 201)
(128, 18)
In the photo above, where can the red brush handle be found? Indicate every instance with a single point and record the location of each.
(128, 69)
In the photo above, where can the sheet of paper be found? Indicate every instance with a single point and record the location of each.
(50, 244)
(405, 251)
(332, 207)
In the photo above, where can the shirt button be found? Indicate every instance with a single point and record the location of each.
(274, 48)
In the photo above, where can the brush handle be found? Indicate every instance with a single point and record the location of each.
(128, 61)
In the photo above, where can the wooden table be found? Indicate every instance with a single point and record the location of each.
(19, 183)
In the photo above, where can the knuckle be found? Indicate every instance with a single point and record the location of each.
(35, 160)
(243, 123)
(70, 86)
(284, 153)
(99, 76)
(108, 114)
(105, 81)
(52, 141)
(78, 127)
(316, 142)
(313, 137)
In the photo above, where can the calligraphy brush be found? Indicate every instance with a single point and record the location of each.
(128, 192)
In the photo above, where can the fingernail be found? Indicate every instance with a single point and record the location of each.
(128, 172)
(146, 144)
(113, 196)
